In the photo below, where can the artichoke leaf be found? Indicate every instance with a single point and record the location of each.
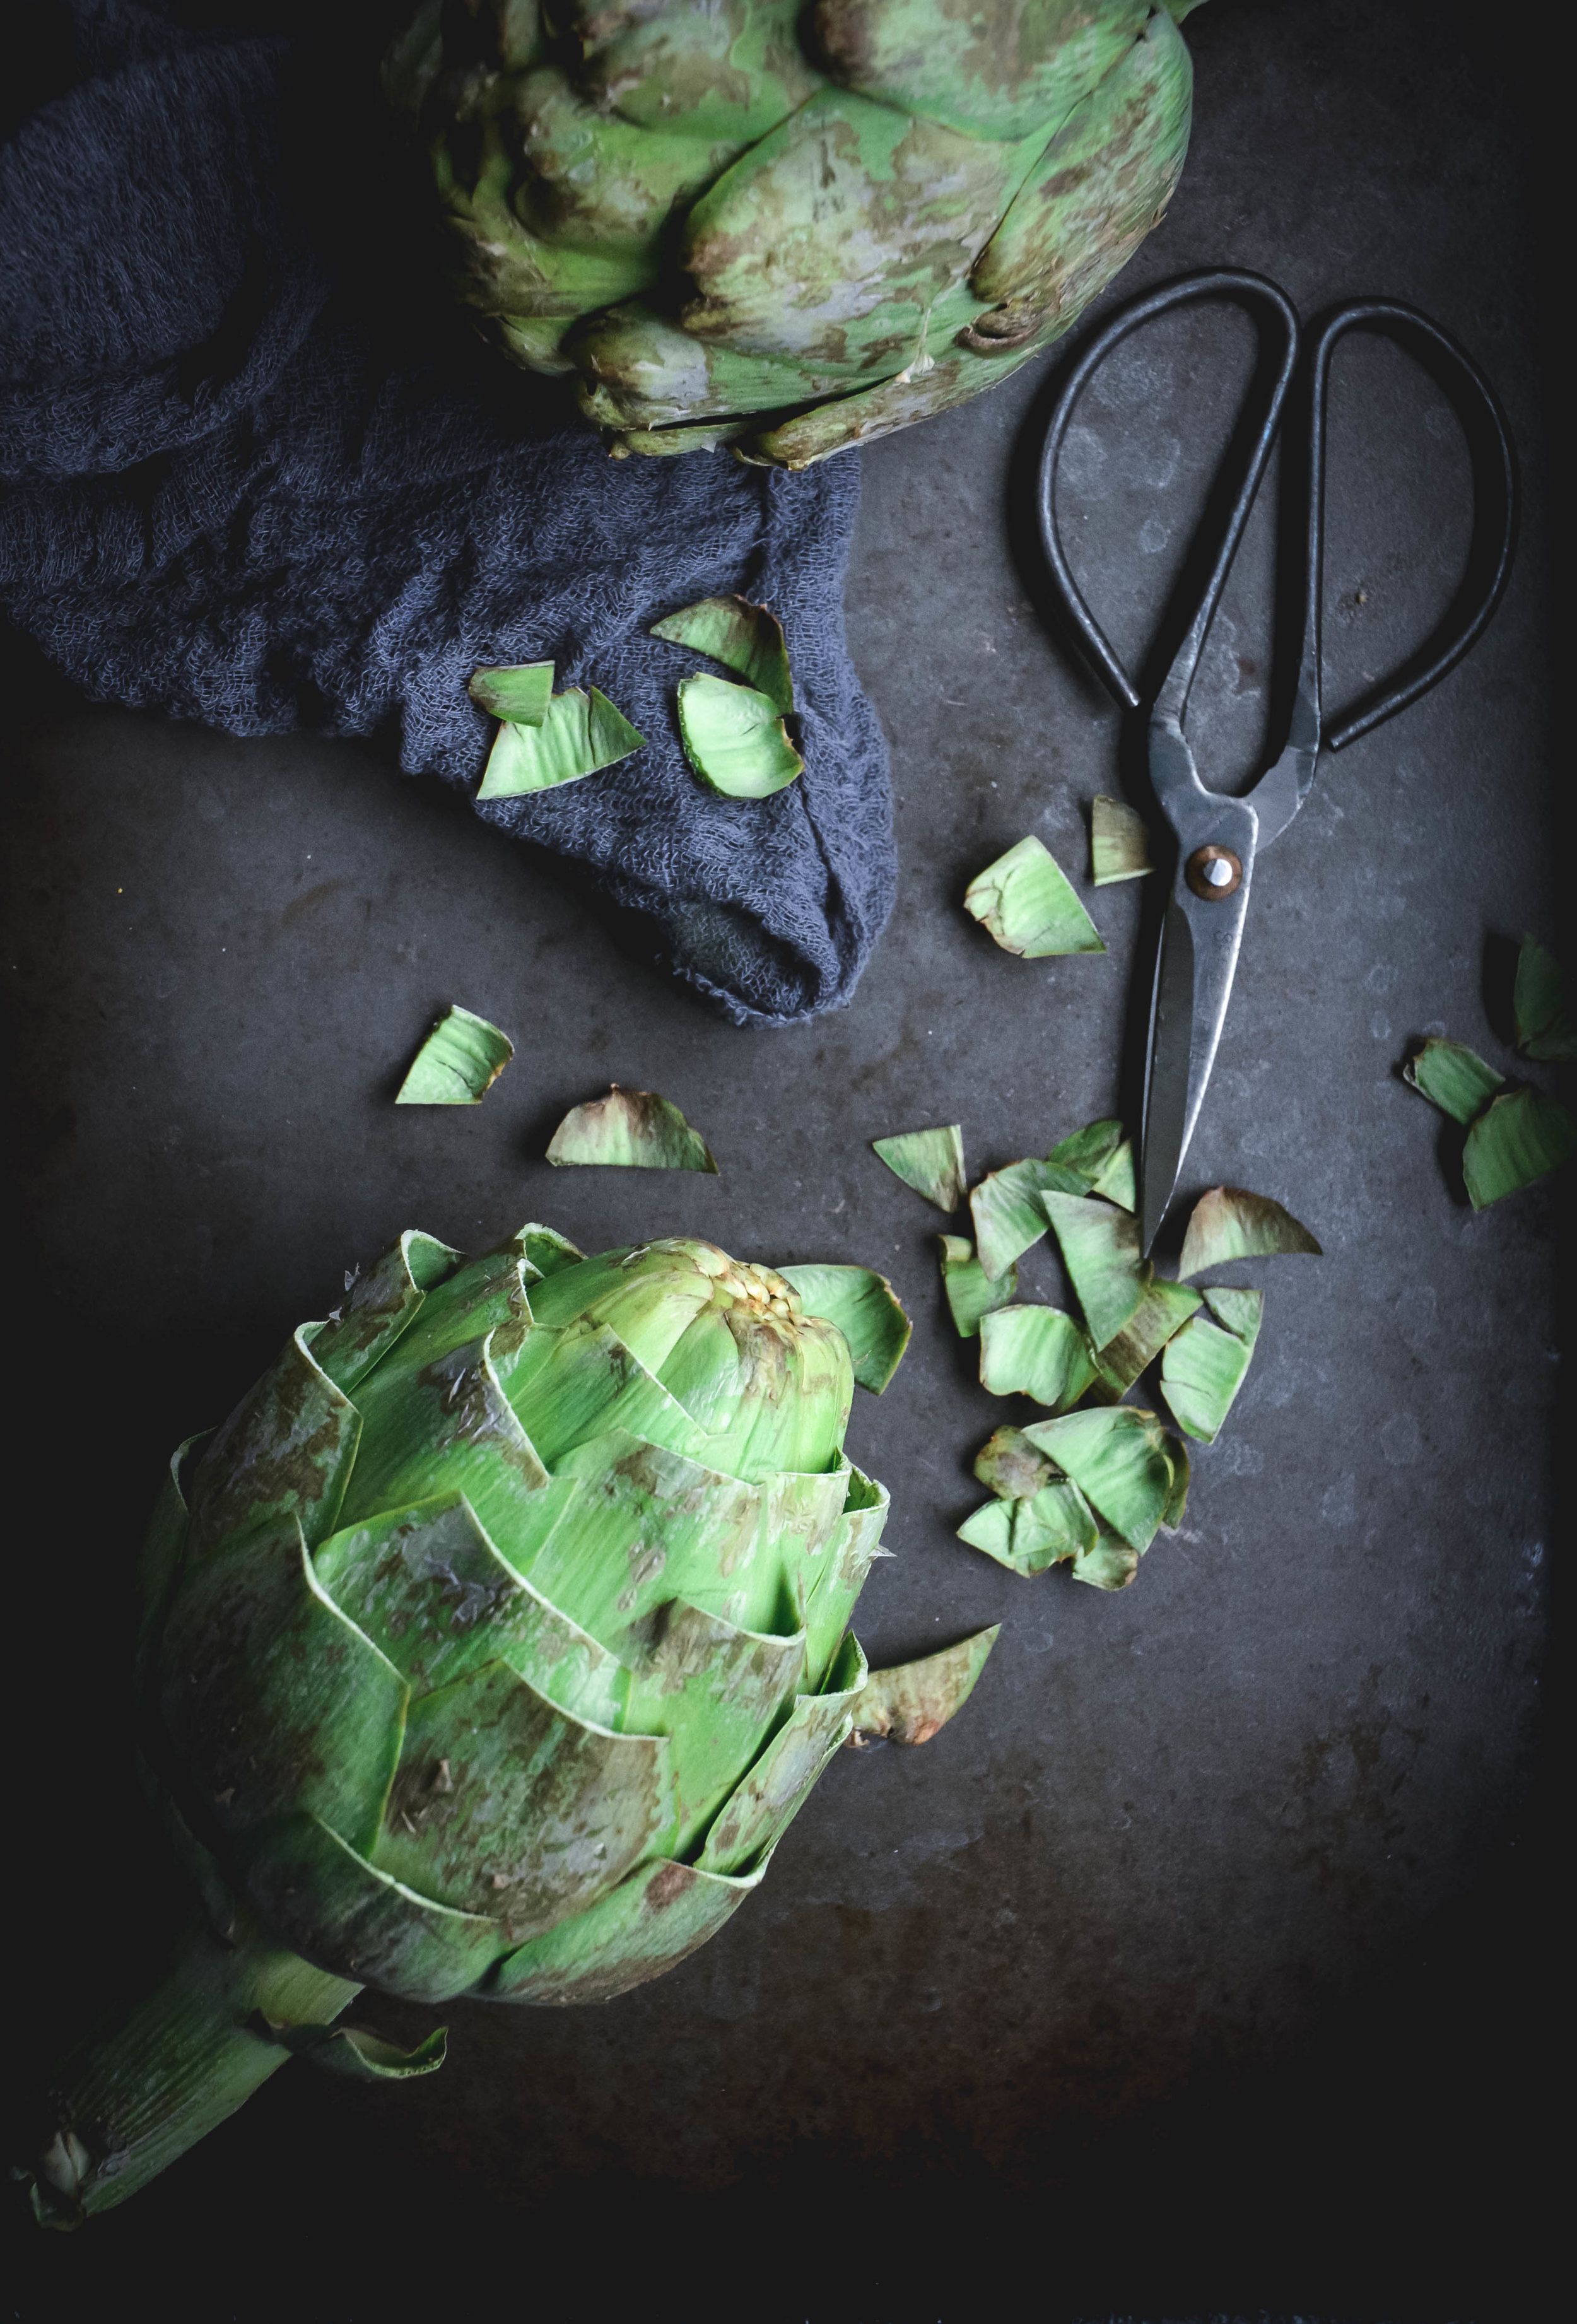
(1007, 1213)
(987, 73)
(1176, 1452)
(454, 1412)
(1207, 1362)
(1095, 190)
(482, 1296)
(286, 1451)
(1543, 1007)
(872, 218)
(782, 1779)
(926, 386)
(1035, 1352)
(1520, 1136)
(931, 1161)
(744, 637)
(505, 1805)
(914, 1701)
(628, 1130)
(273, 1699)
(1117, 1180)
(854, 1545)
(1119, 843)
(580, 734)
(325, 1899)
(1100, 1246)
(1228, 1223)
(1116, 1456)
(1111, 1564)
(1452, 1077)
(1013, 1468)
(599, 183)
(715, 1692)
(1025, 902)
(518, 692)
(1091, 1153)
(735, 738)
(971, 1291)
(381, 1305)
(358, 2051)
(1164, 1309)
(654, 1919)
(1029, 1536)
(866, 1311)
(731, 69)
(426, 1585)
(641, 373)
(458, 1061)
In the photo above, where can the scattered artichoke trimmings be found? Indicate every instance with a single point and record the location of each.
(742, 636)
(1518, 1134)
(734, 738)
(931, 1161)
(580, 734)
(518, 692)
(1025, 901)
(971, 1293)
(1228, 1222)
(1119, 843)
(913, 1701)
(1090, 1490)
(458, 1061)
(632, 1129)
(1006, 1206)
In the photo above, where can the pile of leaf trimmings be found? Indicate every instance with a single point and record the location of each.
(1091, 1488)
(1515, 1133)
(735, 737)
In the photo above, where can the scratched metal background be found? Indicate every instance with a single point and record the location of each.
(1198, 1963)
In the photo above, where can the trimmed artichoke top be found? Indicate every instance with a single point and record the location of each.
(497, 1635)
(790, 228)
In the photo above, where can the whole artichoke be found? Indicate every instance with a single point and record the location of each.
(491, 1643)
(788, 228)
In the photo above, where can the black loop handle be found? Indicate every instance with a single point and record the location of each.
(1495, 498)
(1252, 290)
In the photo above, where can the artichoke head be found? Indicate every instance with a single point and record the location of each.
(497, 1635)
(784, 228)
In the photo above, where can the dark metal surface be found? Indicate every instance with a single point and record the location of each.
(1198, 1964)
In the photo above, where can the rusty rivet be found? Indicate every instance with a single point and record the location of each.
(1213, 872)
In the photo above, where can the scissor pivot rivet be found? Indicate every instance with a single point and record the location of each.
(1213, 872)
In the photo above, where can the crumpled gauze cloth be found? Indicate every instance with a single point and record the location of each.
(253, 472)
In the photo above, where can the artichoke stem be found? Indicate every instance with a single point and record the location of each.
(124, 2104)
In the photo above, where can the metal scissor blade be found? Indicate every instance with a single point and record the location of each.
(1197, 961)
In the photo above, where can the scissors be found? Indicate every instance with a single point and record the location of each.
(1219, 834)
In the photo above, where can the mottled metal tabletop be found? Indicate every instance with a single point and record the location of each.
(1193, 1963)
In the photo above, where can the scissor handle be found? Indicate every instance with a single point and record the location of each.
(1251, 291)
(1495, 510)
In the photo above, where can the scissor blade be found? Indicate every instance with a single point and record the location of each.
(1194, 969)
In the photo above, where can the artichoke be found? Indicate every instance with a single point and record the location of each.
(489, 1648)
(790, 229)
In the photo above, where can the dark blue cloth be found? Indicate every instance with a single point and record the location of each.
(254, 471)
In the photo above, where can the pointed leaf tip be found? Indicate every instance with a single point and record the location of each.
(1454, 1078)
(866, 1311)
(914, 1701)
(931, 1161)
(1520, 1136)
(1229, 1224)
(580, 734)
(1119, 843)
(971, 1292)
(735, 740)
(743, 637)
(520, 693)
(1024, 900)
(630, 1129)
(458, 1061)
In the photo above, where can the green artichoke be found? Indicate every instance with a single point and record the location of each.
(489, 1648)
(786, 228)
